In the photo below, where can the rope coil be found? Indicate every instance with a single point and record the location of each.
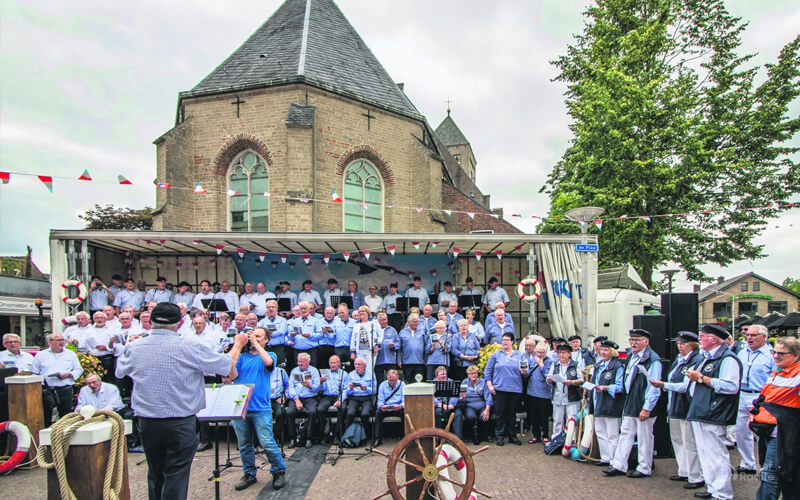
(60, 434)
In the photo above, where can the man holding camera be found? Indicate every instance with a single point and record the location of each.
(255, 365)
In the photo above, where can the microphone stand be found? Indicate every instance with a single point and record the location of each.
(336, 455)
(283, 415)
(372, 399)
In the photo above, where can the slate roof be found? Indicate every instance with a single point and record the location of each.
(449, 132)
(319, 47)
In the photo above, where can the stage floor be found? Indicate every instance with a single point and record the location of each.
(509, 472)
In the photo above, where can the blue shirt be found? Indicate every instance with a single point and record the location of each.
(298, 376)
(308, 325)
(184, 298)
(331, 386)
(446, 297)
(427, 323)
(469, 346)
(251, 370)
(537, 383)
(729, 376)
(98, 299)
(336, 292)
(494, 332)
(421, 294)
(616, 387)
(491, 319)
(128, 298)
(280, 378)
(452, 322)
(756, 367)
(390, 303)
(440, 355)
(388, 355)
(358, 298)
(312, 296)
(413, 346)
(478, 396)
(651, 394)
(328, 329)
(385, 390)
(492, 297)
(276, 329)
(167, 373)
(503, 371)
(365, 384)
(344, 331)
(154, 294)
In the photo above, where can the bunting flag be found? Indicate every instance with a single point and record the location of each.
(159, 262)
(391, 205)
(364, 206)
(366, 254)
(644, 217)
(499, 254)
(267, 195)
(622, 217)
(196, 242)
(471, 215)
(583, 225)
(261, 256)
(478, 256)
(448, 212)
(391, 249)
(163, 185)
(122, 180)
(195, 263)
(433, 272)
(517, 215)
(599, 224)
(456, 251)
(219, 249)
(199, 189)
(231, 192)
(415, 244)
(335, 198)
(283, 258)
(85, 176)
(178, 263)
(149, 242)
(346, 256)
(240, 251)
(420, 209)
(326, 257)
(5, 177)
(47, 181)
(304, 200)
(162, 242)
(434, 244)
(495, 216)
(212, 261)
(307, 259)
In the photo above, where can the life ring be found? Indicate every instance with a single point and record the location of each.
(447, 455)
(569, 439)
(537, 289)
(588, 434)
(65, 286)
(23, 436)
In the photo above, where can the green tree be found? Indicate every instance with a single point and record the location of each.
(109, 217)
(793, 284)
(668, 119)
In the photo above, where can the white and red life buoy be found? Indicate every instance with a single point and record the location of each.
(571, 430)
(529, 281)
(23, 436)
(447, 455)
(65, 286)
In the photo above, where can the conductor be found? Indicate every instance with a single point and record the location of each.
(168, 391)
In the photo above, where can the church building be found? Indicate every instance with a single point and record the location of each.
(301, 129)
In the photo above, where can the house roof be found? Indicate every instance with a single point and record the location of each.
(449, 132)
(308, 41)
(713, 289)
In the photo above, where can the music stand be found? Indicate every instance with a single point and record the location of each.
(214, 306)
(446, 389)
(284, 305)
(224, 403)
(345, 299)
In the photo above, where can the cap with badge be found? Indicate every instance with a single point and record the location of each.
(685, 336)
(609, 343)
(639, 333)
(574, 337)
(165, 313)
(184, 283)
(715, 330)
(599, 338)
(564, 347)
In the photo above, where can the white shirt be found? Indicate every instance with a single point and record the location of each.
(80, 333)
(122, 337)
(230, 298)
(374, 303)
(48, 364)
(100, 336)
(106, 398)
(259, 302)
(197, 302)
(22, 361)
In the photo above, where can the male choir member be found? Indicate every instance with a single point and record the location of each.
(412, 356)
(390, 402)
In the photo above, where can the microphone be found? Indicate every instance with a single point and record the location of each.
(282, 365)
(346, 363)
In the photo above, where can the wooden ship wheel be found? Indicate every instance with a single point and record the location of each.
(442, 476)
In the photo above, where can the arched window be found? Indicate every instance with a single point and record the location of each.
(363, 199)
(249, 208)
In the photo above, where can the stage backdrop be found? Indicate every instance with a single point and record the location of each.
(379, 270)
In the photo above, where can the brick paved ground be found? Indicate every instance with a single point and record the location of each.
(509, 472)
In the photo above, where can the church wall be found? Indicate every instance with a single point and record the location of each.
(175, 148)
(462, 223)
(466, 159)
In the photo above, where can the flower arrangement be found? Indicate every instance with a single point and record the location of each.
(484, 355)
(90, 364)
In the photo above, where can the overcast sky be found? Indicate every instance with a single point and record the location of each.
(90, 85)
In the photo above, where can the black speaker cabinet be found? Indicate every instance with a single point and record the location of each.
(682, 312)
(656, 324)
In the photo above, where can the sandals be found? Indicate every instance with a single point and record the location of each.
(533, 440)
(545, 440)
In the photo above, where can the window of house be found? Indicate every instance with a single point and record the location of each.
(748, 308)
(778, 306)
(722, 309)
(363, 199)
(756, 286)
(744, 286)
(249, 209)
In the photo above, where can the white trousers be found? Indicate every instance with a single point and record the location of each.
(714, 458)
(730, 435)
(685, 447)
(607, 430)
(744, 436)
(561, 414)
(632, 430)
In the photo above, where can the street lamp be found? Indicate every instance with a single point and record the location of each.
(669, 273)
(733, 312)
(583, 215)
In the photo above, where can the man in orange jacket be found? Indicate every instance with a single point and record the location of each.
(776, 419)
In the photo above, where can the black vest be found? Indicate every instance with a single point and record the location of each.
(607, 406)
(679, 401)
(634, 400)
(708, 405)
(574, 392)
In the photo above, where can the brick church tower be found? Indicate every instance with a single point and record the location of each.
(300, 110)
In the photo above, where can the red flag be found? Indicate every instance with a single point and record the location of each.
(335, 198)
(47, 181)
(5, 177)
(261, 256)
(391, 249)
(123, 180)
(85, 176)
(307, 258)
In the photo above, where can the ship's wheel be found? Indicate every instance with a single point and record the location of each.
(435, 468)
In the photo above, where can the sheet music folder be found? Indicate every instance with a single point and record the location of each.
(226, 401)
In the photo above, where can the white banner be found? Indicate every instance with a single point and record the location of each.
(9, 305)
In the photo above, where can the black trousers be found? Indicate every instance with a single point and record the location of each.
(169, 445)
(63, 402)
(280, 352)
(411, 371)
(361, 405)
(108, 361)
(379, 416)
(324, 353)
(344, 356)
(505, 406)
(310, 406)
(284, 419)
(380, 372)
(539, 411)
(395, 321)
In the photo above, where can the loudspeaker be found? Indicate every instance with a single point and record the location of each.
(682, 312)
(656, 324)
